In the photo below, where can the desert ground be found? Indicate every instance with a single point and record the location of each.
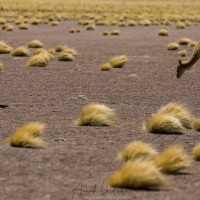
(77, 161)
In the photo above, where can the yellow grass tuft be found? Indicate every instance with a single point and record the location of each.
(4, 48)
(34, 21)
(118, 61)
(105, 33)
(182, 53)
(2, 20)
(70, 51)
(114, 32)
(39, 51)
(180, 112)
(137, 150)
(20, 51)
(196, 153)
(35, 44)
(23, 26)
(60, 48)
(72, 30)
(163, 124)
(9, 28)
(138, 174)
(37, 61)
(96, 115)
(64, 56)
(163, 32)
(172, 46)
(180, 25)
(27, 136)
(184, 41)
(105, 67)
(196, 124)
(1, 66)
(192, 43)
(172, 159)
(90, 27)
(54, 23)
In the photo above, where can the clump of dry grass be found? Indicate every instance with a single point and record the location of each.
(196, 124)
(54, 23)
(114, 32)
(27, 136)
(172, 46)
(118, 61)
(182, 53)
(35, 44)
(163, 124)
(9, 27)
(180, 25)
(196, 152)
(131, 23)
(23, 26)
(184, 41)
(180, 112)
(4, 48)
(138, 174)
(72, 30)
(105, 67)
(60, 48)
(70, 51)
(145, 22)
(39, 51)
(37, 61)
(96, 115)
(34, 21)
(2, 21)
(64, 56)
(105, 32)
(1, 66)
(90, 27)
(192, 43)
(172, 160)
(163, 32)
(137, 150)
(20, 51)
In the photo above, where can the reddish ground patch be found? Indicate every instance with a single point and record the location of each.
(55, 94)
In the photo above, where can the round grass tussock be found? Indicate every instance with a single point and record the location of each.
(137, 150)
(20, 51)
(118, 61)
(114, 32)
(182, 53)
(196, 152)
(23, 26)
(64, 56)
(4, 48)
(35, 44)
(184, 41)
(37, 61)
(105, 67)
(96, 115)
(60, 48)
(138, 174)
(163, 124)
(163, 32)
(180, 25)
(172, 46)
(196, 124)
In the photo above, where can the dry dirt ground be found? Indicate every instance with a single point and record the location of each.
(54, 95)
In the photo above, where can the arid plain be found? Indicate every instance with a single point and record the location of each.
(77, 161)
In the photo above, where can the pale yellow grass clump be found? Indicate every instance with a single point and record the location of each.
(37, 61)
(4, 48)
(2, 21)
(54, 23)
(179, 111)
(72, 30)
(196, 152)
(180, 25)
(20, 51)
(23, 26)
(192, 43)
(60, 48)
(145, 22)
(64, 56)
(9, 28)
(137, 150)
(182, 53)
(105, 67)
(70, 51)
(196, 124)
(96, 115)
(118, 61)
(27, 136)
(105, 32)
(138, 174)
(34, 21)
(172, 159)
(172, 46)
(35, 44)
(90, 27)
(114, 32)
(163, 124)
(184, 41)
(46, 54)
(38, 51)
(1, 66)
(163, 32)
